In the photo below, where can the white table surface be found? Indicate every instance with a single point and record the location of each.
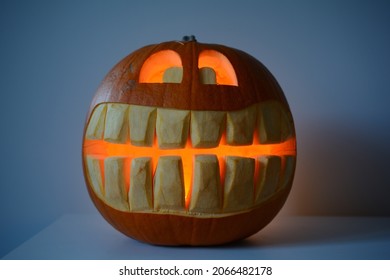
(89, 236)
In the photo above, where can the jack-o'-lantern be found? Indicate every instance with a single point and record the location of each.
(188, 143)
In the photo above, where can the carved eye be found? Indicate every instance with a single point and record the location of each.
(215, 68)
(162, 67)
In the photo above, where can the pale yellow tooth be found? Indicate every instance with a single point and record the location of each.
(168, 189)
(207, 76)
(206, 189)
(140, 193)
(172, 128)
(114, 183)
(116, 127)
(142, 122)
(268, 177)
(95, 127)
(206, 128)
(288, 171)
(239, 183)
(94, 174)
(240, 126)
(173, 75)
(274, 123)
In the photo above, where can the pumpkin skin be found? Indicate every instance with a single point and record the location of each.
(255, 86)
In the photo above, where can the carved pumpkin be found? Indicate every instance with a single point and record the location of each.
(188, 143)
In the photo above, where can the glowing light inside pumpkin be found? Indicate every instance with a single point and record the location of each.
(102, 149)
(156, 65)
(153, 69)
(224, 70)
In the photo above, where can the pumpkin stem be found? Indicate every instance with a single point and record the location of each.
(190, 38)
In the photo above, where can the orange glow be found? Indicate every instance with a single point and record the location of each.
(153, 69)
(102, 149)
(223, 68)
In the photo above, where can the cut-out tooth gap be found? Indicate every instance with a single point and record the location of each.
(188, 174)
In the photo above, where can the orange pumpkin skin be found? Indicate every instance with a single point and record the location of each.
(174, 230)
(255, 85)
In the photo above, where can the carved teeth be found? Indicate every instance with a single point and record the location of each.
(95, 128)
(274, 125)
(172, 128)
(240, 126)
(206, 128)
(206, 189)
(137, 187)
(289, 168)
(239, 182)
(116, 128)
(95, 176)
(115, 185)
(118, 123)
(267, 177)
(169, 184)
(141, 189)
(242, 188)
(142, 122)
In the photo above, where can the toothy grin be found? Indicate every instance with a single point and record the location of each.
(206, 163)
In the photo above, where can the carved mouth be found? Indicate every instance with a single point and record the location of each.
(205, 163)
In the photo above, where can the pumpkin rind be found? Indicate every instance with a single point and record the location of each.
(256, 85)
(255, 82)
(173, 230)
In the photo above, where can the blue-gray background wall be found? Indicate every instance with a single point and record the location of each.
(332, 58)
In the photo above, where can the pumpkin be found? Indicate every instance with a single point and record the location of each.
(187, 143)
